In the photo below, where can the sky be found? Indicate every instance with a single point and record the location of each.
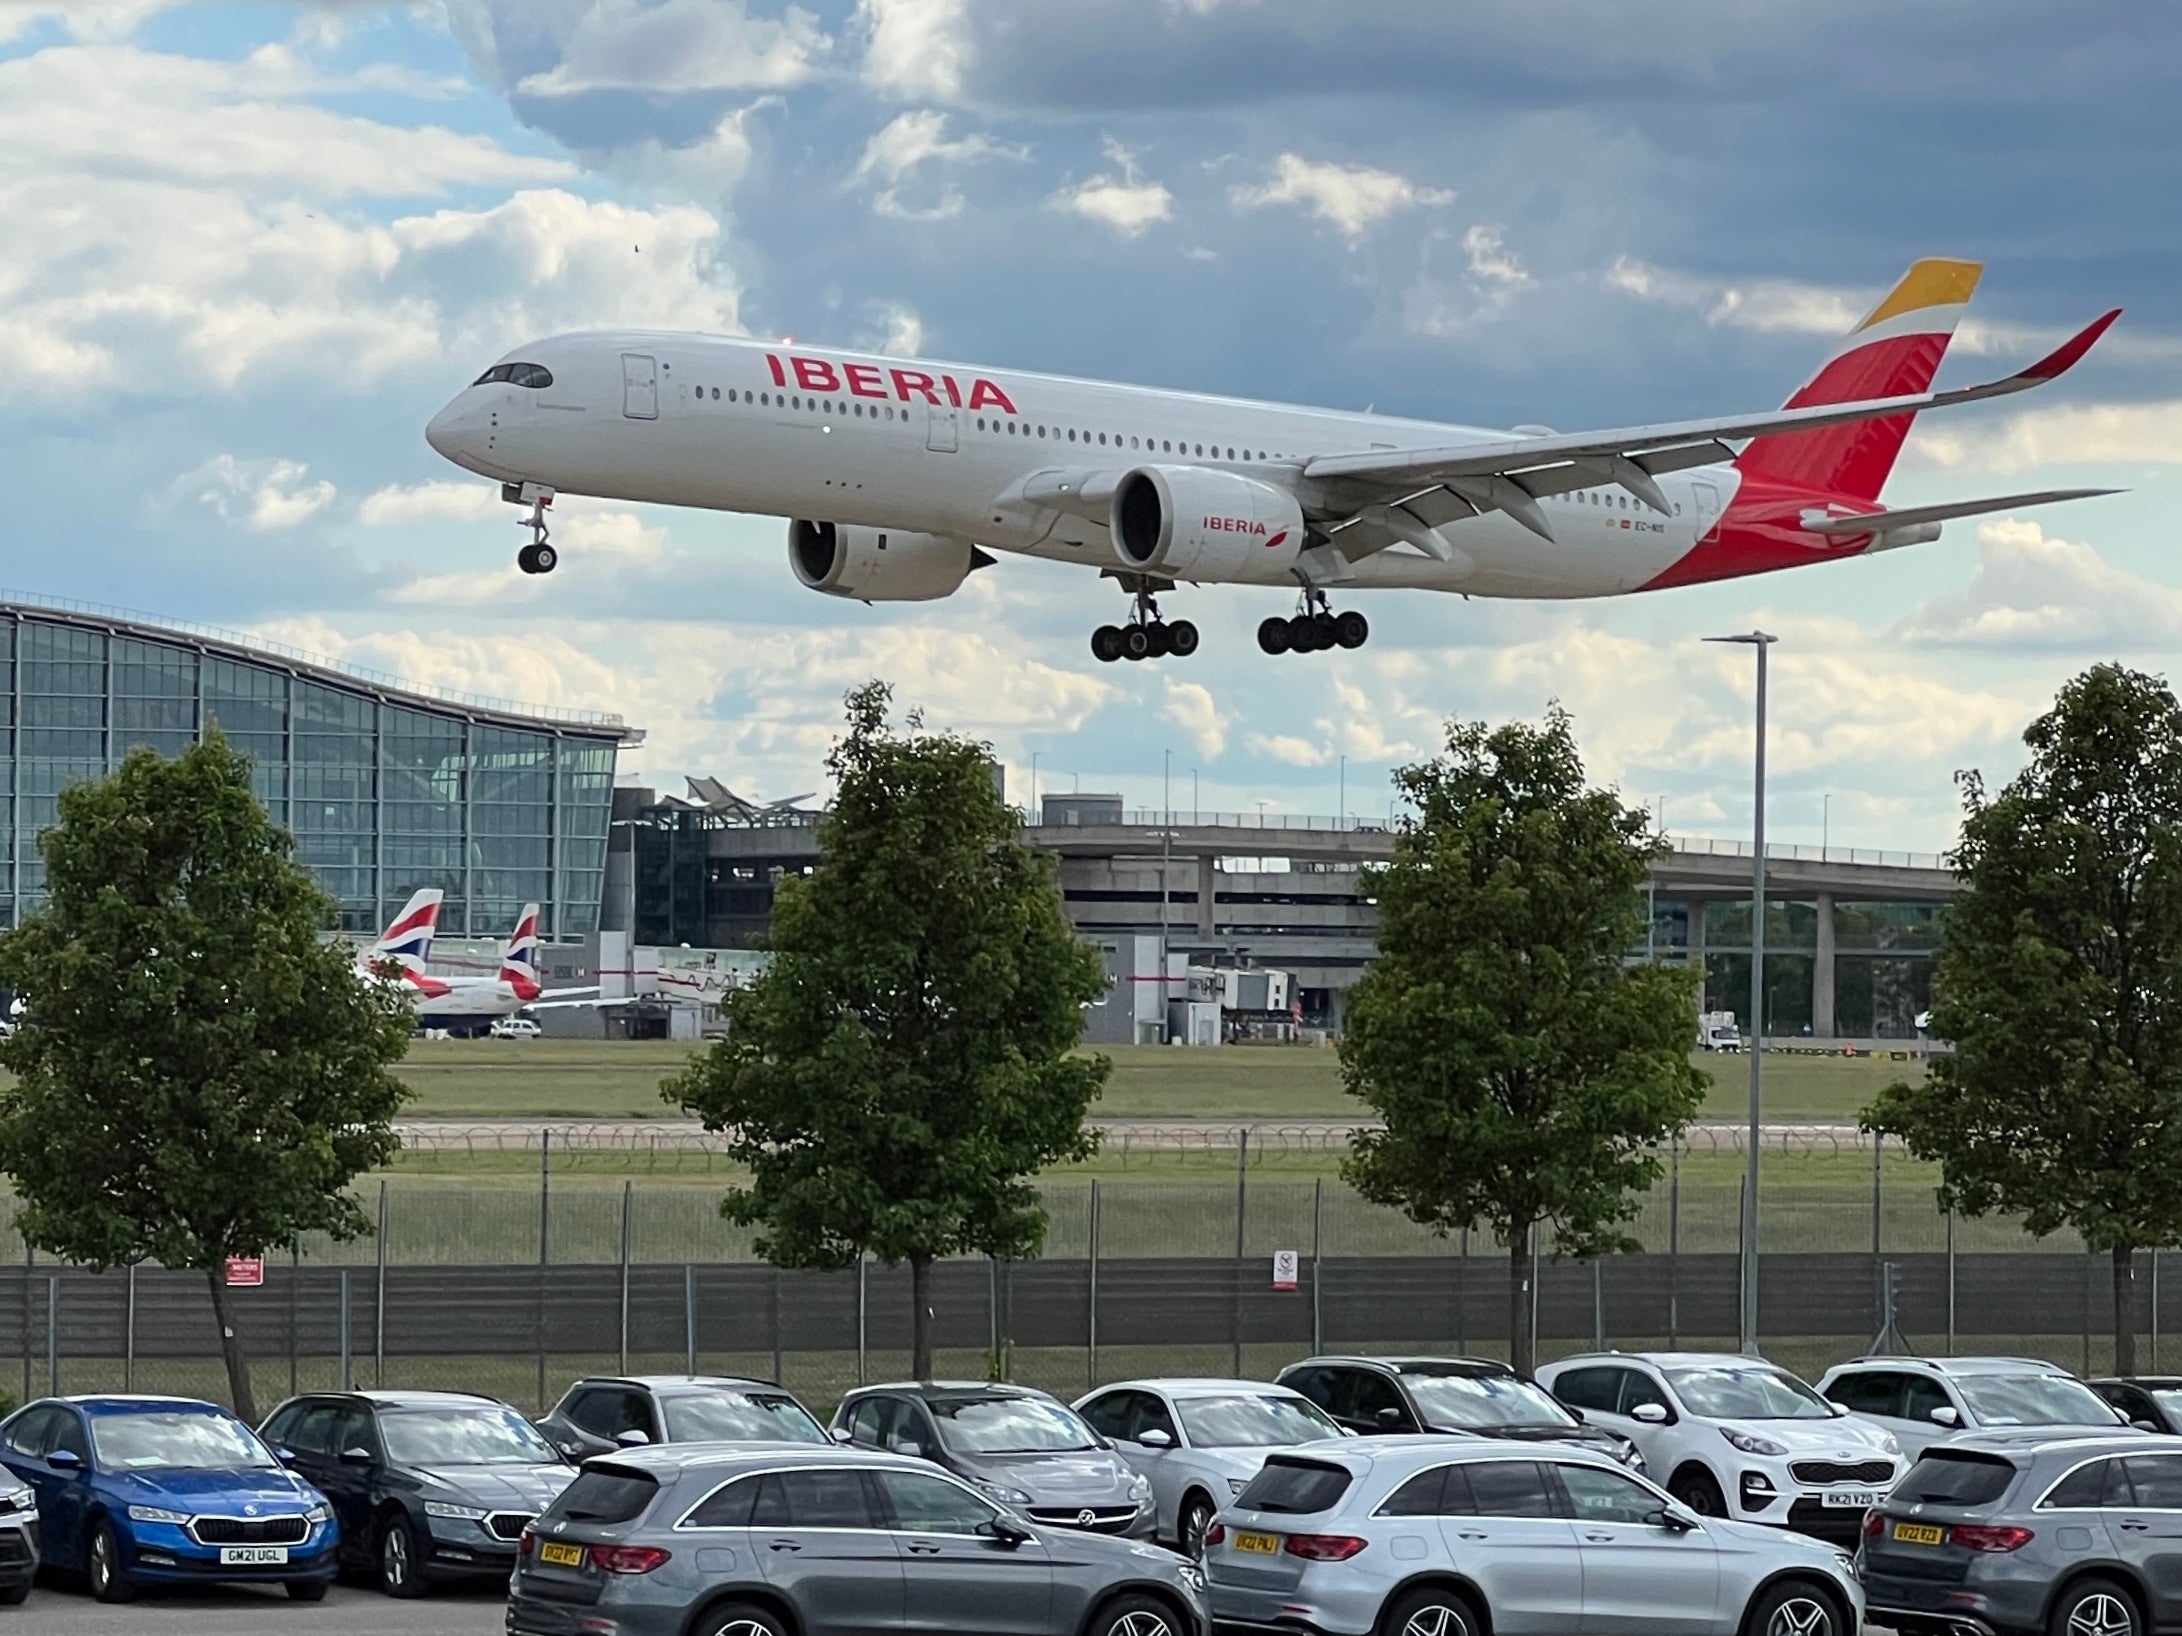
(248, 249)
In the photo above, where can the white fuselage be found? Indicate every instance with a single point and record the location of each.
(798, 432)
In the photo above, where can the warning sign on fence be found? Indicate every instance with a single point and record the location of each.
(1284, 1269)
(245, 1271)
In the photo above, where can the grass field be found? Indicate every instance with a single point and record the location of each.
(583, 1079)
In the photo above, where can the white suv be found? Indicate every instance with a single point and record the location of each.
(1736, 1437)
(514, 1028)
(1923, 1401)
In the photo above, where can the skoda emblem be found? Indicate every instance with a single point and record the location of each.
(1086, 1517)
(249, 1510)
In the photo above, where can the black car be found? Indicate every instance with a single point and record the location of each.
(428, 1486)
(2148, 1402)
(1474, 1397)
(606, 1413)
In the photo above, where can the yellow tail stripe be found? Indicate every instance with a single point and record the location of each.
(1935, 282)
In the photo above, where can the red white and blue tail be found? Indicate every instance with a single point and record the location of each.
(519, 957)
(407, 942)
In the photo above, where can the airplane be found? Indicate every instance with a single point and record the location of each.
(464, 1005)
(900, 477)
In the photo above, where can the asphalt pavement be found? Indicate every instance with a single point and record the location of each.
(348, 1611)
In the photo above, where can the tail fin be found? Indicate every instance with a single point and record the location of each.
(407, 942)
(1895, 351)
(519, 957)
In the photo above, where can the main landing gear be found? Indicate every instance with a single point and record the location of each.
(1314, 628)
(538, 557)
(1146, 636)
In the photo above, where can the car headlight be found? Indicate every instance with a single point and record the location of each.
(1891, 1443)
(998, 1491)
(153, 1513)
(453, 1513)
(316, 1515)
(1235, 1485)
(1140, 1488)
(1848, 1566)
(1192, 1576)
(1750, 1443)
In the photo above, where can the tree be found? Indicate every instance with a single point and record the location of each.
(2058, 980)
(903, 1067)
(199, 1074)
(1523, 1069)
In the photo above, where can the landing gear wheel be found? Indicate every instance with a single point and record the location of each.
(109, 1577)
(1325, 631)
(1162, 640)
(1273, 635)
(1351, 629)
(1106, 644)
(545, 557)
(1136, 642)
(1303, 634)
(1181, 639)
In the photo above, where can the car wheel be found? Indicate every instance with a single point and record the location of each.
(2095, 1607)
(1196, 1518)
(1796, 1608)
(103, 1566)
(740, 1619)
(1433, 1611)
(1695, 1488)
(1137, 1616)
(307, 1590)
(400, 1571)
(14, 1596)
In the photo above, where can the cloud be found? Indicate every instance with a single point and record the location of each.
(1192, 708)
(916, 48)
(2032, 591)
(83, 19)
(611, 544)
(1128, 204)
(2068, 434)
(1352, 198)
(397, 507)
(679, 46)
(1296, 752)
(913, 152)
(264, 496)
(1490, 262)
(900, 332)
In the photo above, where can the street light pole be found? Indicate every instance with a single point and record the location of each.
(1166, 853)
(1825, 830)
(1034, 755)
(1761, 642)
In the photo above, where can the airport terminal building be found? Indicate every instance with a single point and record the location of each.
(388, 787)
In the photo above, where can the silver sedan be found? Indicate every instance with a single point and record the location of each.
(1200, 1441)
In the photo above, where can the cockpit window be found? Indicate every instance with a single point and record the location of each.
(531, 375)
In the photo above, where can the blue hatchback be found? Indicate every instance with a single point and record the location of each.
(143, 1490)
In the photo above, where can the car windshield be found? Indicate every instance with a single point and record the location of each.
(177, 1440)
(1009, 1425)
(1465, 1402)
(1249, 1421)
(483, 1436)
(1728, 1392)
(739, 1417)
(2168, 1398)
(2033, 1400)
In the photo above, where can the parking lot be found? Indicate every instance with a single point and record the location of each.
(347, 1612)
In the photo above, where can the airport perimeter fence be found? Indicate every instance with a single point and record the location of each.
(517, 1289)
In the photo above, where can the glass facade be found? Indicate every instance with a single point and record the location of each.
(384, 795)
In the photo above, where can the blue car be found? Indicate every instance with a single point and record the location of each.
(167, 1490)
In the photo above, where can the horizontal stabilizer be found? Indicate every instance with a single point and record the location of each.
(1912, 516)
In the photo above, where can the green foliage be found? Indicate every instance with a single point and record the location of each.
(2059, 981)
(902, 1069)
(198, 1075)
(1525, 1072)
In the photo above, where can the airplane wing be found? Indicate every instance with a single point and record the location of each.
(1512, 474)
(1912, 516)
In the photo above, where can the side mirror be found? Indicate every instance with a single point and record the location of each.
(633, 1439)
(1008, 1534)
(2144, 1425)
(1673, 1521)
(1650, 1414)
(1575, 1413)
(1152, 1437)
(356, 1457)
(1389, 1416)
(841, 1434)
(907, 1445)
(1945, 1415)
(65, 1460)
(285, 1456)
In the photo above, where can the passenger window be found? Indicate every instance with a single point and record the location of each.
(1874, 1392)
(1921, 1396)
(2083, 1489)
(311, 1432)
(1606, 1496)
(2157, 1479)
(866, 1423)
(715, 394)
(1510, 1488)
(68, 1436)
(1598, 1389)
(1639, 1389)
(813, 1499)
(31, 1429)
(1108, 1415)
(1419, 1497)
(933, 1505)
(727, 1507)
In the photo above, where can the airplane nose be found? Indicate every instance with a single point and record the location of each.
(449, 432)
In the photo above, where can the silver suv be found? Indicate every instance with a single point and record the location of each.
(696, 1540)
(2015, 1533)
(1923, 1401)
(1432, 1536)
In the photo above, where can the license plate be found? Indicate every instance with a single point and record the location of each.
(560, 1554)
(253, 1556)
(1919, 1533)
(1258, 1544)
(1851, 1499)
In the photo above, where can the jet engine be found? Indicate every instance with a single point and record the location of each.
(1187, 522)
(880, 564)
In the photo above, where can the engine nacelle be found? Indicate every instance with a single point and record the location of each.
(880, 564)
(1187, 522)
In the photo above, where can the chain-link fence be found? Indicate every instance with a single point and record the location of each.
(514, 1289)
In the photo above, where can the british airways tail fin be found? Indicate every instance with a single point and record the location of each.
(519, 956)
(407, 942)
(1894, 352)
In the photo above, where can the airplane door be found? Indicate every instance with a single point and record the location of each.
(939, 431)
(639, 386)
(1707, 498)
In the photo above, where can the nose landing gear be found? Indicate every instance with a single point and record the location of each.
(1146, 636)
(1314, 628)
(538, 557)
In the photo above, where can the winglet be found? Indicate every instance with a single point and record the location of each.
(2065, 357)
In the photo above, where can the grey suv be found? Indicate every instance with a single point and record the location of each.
(1028, 1450)
(691, 1541)
(603, 1413)
(2015, 1533)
